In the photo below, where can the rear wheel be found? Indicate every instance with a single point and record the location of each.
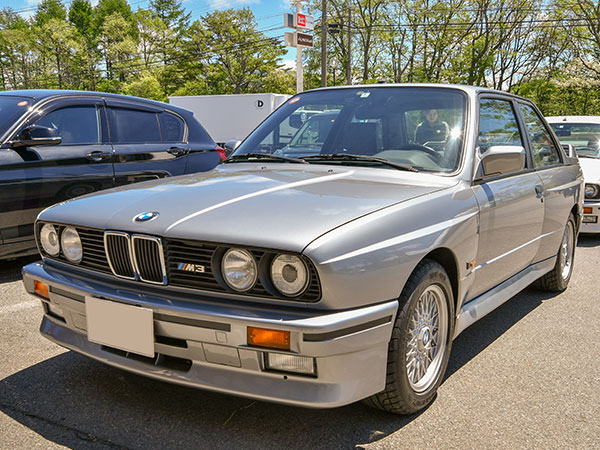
(421, 340)
(558, 278)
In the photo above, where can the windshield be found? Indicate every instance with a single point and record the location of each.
(11, 108)
(585, 137)
(420, 128)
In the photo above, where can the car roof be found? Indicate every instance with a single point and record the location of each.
(42, 94)
(573, 119)
(474, 90)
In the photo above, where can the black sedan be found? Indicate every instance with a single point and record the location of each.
(56, 145)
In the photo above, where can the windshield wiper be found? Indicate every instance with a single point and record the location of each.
(263, 156)
(351, 157)
(587, 156)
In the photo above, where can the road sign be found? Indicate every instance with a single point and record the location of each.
(297, 39)
(304, 21)
(304, 40)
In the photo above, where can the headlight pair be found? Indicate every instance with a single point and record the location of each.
(288, 273)
(69, 242)
(591, 190)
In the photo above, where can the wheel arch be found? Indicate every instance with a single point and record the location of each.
(577, 213)
(447, 259)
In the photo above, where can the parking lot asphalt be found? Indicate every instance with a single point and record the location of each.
(525, 376)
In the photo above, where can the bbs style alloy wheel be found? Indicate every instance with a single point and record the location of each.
(421, 341)
(558, 278)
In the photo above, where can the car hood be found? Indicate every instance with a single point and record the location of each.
(591, 169)
(278, 206)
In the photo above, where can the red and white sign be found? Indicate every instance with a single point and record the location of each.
(304, 21)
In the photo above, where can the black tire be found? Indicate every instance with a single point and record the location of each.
(558, 278)
(400, 395)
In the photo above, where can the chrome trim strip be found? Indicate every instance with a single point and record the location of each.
(493, 260)
(129, 247)
(492, 299)
(161, 255)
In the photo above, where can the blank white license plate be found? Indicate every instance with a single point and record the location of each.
(126, 327)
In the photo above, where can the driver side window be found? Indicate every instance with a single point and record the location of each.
(497, 124)
(74, 124)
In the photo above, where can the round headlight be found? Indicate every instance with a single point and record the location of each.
(239, 269)
(289, 274)
(591, 190)
(71, 245)
(49, 240)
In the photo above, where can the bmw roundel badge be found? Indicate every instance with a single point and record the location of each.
(145, 217)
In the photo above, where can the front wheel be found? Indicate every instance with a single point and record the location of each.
(558, 278)
(421, 340)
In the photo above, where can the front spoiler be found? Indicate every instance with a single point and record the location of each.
(349, 347)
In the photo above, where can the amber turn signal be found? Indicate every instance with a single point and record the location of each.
(587, 210)
(41, 289)
(262, 337)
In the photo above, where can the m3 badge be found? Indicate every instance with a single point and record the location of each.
(187, 267)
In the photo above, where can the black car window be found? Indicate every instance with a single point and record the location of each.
(11, 108)
(497, 124)
(542, 146)
(74, 124)
(172, 127)
(132, 126)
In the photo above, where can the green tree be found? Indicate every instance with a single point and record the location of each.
(147, 86)
(61, 43)
(233, 55)
(107, 8)
(171, 13)
(49, 9)
(81, 16)
(118, 47)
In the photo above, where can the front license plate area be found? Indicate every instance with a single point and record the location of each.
(126, 327)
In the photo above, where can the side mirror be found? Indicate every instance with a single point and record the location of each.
(231, 146)
(501, 159)
(296, 120)
(37, 135)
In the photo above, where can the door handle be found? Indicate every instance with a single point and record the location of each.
(177, 151)
(97, 156)
(539, 191)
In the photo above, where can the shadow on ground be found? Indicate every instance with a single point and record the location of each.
(80, 403)
(11, 270)
(588, 240)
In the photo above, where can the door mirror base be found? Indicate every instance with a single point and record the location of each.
(36, 135)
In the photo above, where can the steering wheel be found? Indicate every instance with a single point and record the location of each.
(431, 152)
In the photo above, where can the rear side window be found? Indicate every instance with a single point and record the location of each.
(172, 127)
(74, 124)
(544, 151)
(133, 126)
(497, 124)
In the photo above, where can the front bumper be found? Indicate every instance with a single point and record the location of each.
(204, 344)
(591, 218)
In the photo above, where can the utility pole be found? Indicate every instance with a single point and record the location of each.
(323, 43)
(349, 62)
(299, 38)
(299, 68)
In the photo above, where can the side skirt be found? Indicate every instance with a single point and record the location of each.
(490, 300)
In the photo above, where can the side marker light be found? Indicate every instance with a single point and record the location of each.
(41, 289)
(262, 337)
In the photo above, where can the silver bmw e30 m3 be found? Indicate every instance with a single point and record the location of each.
(333, 257)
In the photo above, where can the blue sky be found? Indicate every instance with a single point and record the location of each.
(268, 13)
